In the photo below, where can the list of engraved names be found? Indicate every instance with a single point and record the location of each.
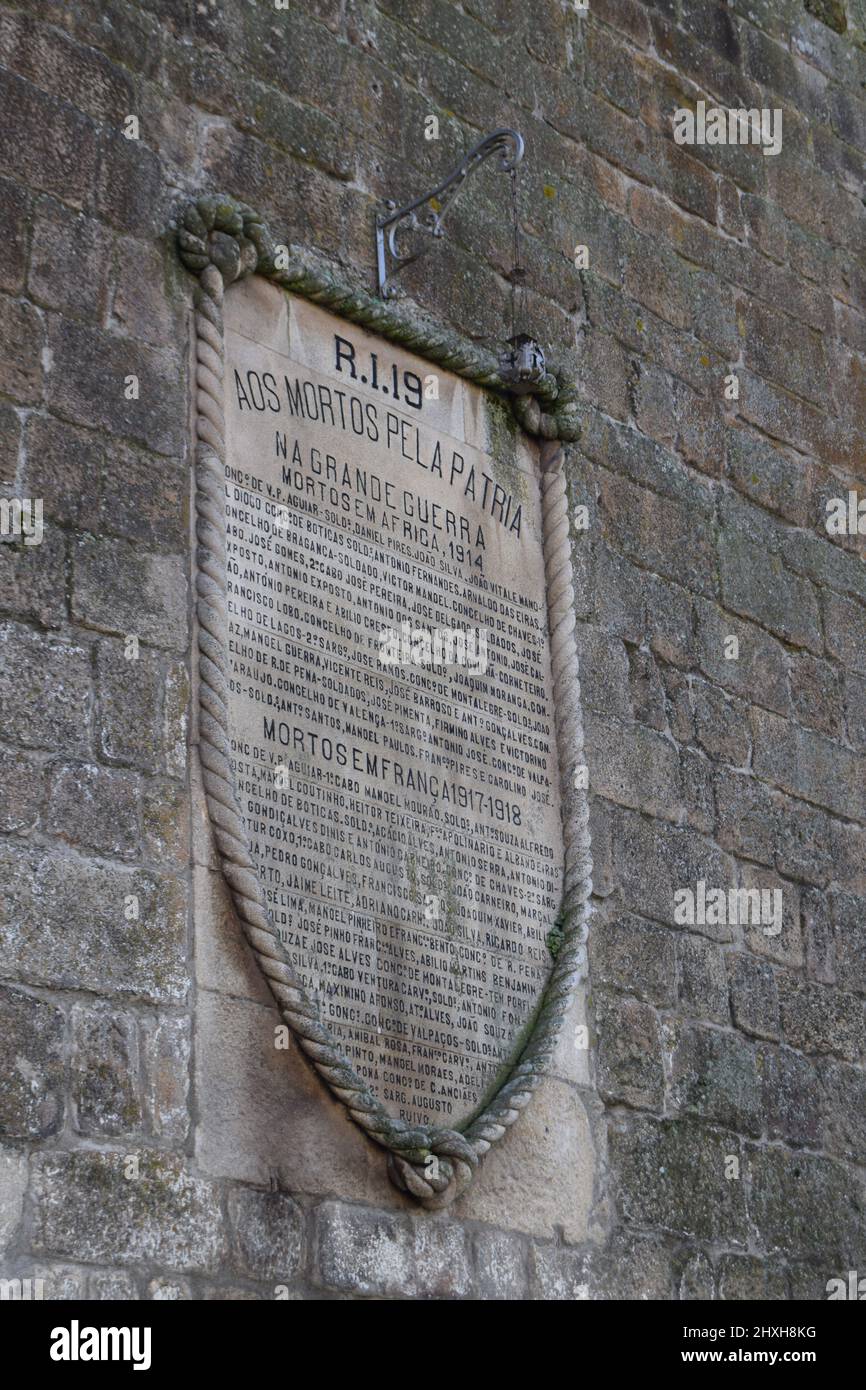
(390, 702)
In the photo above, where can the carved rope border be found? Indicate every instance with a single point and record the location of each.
(221, 240)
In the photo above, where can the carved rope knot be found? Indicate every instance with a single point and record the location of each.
(216, 231)
(438, 1177)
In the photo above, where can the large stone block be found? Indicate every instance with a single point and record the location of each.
(93, 1207)
(48, 144)
(105, 1072)
(714, 1076)
(62, 238)
(703, 986)
(633, 956)
(500, 1260)
(45, 690)
(845, 625)
(756, 584)
(14, 1174)
(63, 466)
(844, 1110)
(22, 790)
(70, 923)
(630, 1069)
(363, 1251)
(754, 997)
(656, 860)
(121, 589)
(827, 1216)
(819, 1019)
(542, 1172)
(165, 1047)
(673, 1175)
(15, 232)
(88, 385)
(791, 1095)
(268, 1232)
(94, 808)
(808, 764)
(32, 1048)
(633, 766)
(128, 706)
(759, 669)
(261, 1110)
(33, 579)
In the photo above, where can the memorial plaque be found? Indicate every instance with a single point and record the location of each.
(390, 708)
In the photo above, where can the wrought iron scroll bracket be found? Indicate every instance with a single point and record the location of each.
(507, 143)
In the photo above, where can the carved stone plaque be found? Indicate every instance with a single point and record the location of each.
(390, 705)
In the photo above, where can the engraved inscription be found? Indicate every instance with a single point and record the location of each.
(391, 709)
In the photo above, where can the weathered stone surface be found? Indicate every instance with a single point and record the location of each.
(827, 1217)
(362, 1250)
(33, 579)
(21, 368)
(703, 988)
(631, 1267)
(791, 1096)
(808, 764)
(646, 777)
(121, 589)
(60, 236)
(697, 1281)
(629, 1055)
(656, 860)
(22, 790)
(13, 1185)
(754, 997)
(66, 925)
(262, 1110)
(500, 1260)
(63, 466)
(165, 1046)
(671, 1174)
(634, 956)
(720, 725)
(129, 695)
(756, 585)
(105, 1069)
(542, 1170)
(94, 808)
(604, 672)
(816, 1019)
(32, 1040)
(850, 942)
(713, 1075)
(87, 1207)
(748, 1277)
(89, 381)
(647, 691)
(111, 1285)
(560, 1275)
(758, 673)
(441, 1259)
(45, 690)
(844, 1090)
(268, 1229)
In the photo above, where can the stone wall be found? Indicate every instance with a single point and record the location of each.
(709, 1143)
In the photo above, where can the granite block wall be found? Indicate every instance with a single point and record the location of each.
(709, 1142)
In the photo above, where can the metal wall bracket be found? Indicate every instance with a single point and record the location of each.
(507, 143)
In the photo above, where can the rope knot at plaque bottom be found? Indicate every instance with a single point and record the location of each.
(442, 1176)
